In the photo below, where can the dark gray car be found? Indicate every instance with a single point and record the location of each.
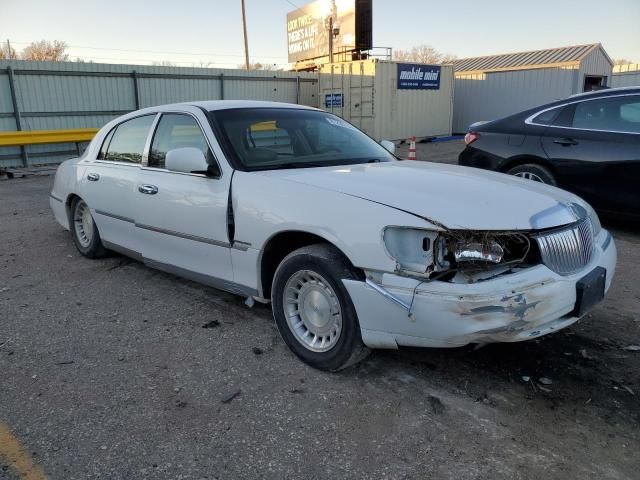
(588, 144)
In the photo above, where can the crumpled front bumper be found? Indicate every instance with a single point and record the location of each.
(509, 308)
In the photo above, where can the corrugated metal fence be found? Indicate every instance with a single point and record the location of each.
(64, 95)
(626, 75)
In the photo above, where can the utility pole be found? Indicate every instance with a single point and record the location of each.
(246, 41)
(330, 39)
(9, 55)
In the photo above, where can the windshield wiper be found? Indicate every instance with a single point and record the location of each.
(284, 166)
(324, 163)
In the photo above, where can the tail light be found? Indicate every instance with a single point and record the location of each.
(471, 137)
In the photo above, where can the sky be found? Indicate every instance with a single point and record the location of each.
(191, 32)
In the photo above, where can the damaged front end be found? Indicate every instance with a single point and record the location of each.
(455, 287)
(459, 256)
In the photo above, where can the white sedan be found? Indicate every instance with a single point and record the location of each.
(353, 248)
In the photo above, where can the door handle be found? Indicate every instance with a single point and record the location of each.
(565, 142)
(148, 189)
(93, 177)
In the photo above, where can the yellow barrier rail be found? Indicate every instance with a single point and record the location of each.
(39, 137)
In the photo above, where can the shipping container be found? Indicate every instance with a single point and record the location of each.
(371, 95)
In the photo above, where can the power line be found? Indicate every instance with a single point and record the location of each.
(294, 5)
(177, 62)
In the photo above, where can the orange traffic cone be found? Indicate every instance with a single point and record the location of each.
(412, 149)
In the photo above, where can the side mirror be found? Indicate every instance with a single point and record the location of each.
(389, 145)
(186, 160)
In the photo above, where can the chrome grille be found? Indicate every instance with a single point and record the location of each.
(568, 250)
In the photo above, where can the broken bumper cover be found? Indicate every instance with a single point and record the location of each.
(509, 308)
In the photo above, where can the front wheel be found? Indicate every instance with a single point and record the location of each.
(531, 171)
(313, 310)
(84, 230)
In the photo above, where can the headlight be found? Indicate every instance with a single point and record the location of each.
(583, 209)
(595, 221)
(424, 252)
(411, 248)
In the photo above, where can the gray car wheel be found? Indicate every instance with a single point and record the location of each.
(84, 231)
(313, 310)
(534, 172)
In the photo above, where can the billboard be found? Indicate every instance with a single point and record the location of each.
(416, 76)
(308, 28)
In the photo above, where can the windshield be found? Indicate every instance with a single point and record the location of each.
(276, 138)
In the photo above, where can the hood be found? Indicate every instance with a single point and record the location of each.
(448, 195)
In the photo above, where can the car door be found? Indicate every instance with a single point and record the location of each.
(109, 183)
(182, 217)
(594, 145)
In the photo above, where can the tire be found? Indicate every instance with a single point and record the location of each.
(532, 171)
(84, 230)
(313, 276)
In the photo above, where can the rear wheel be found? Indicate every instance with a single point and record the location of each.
(313, 310)
(84, 230)
(532, 171)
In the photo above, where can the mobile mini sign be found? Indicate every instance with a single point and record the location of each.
(412, 76)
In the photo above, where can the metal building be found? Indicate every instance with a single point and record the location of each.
(495, 86)
(374, 96)
(626, 75)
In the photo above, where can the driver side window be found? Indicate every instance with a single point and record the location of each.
(176, 130)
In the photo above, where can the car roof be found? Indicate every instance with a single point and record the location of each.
(229, 104)
(209, 105)
(605, 92)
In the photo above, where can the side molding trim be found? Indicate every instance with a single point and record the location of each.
(237, 245)
(203, 278)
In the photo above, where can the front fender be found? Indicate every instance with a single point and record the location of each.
(265, 206)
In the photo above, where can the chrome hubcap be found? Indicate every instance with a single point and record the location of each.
(83, 223)
(312, 310)
(529, 176)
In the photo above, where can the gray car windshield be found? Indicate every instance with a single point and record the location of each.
(279, 138)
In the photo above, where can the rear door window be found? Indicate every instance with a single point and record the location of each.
(128, 140)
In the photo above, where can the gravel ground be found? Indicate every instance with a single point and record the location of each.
(111, 370)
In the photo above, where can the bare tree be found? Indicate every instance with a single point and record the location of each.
(164, 63)
(7, 52)
(621, 61)
(423, 54)
(44, 50)
(261, 66)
